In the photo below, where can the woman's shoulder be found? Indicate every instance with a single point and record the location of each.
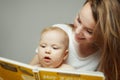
(64, 26)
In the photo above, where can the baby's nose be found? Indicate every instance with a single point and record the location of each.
(47, 50)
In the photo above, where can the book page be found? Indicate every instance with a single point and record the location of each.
(10, 70)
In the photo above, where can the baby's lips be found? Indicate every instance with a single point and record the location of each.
(47, 57)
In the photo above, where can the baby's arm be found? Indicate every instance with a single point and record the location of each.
(35, 60)
(66, 67)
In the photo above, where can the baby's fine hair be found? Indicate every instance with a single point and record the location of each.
(55, 28)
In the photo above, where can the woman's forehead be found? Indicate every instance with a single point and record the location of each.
(86, 16)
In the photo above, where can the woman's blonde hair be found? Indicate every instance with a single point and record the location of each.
(106, 13)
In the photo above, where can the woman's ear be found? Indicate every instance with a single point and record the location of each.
(66, 55)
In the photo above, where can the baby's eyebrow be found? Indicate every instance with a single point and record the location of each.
(42, 43)
(54, 44)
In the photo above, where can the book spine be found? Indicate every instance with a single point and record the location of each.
(36, 74)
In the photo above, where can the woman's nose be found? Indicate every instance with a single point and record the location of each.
(78, 30)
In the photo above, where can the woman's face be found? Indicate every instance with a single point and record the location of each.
(84, 25)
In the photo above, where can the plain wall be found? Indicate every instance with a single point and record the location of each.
(21, 22)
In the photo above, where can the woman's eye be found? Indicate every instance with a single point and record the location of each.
(90, 31)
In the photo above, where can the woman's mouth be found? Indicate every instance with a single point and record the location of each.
(78, 39)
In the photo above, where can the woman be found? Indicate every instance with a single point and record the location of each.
(97, 29)
(107, 33)
(95, 38)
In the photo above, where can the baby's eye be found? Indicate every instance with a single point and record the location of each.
(43, 46)
(55, 47)
(78, 20)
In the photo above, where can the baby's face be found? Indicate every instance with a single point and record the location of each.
(52, 49)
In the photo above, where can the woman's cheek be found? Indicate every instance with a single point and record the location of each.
(75, 23)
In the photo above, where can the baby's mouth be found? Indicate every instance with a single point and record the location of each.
(47, 59)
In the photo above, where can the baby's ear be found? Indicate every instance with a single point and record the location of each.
(66, 54)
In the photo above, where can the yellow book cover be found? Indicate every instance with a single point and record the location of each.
(57, 74)
(14, 70)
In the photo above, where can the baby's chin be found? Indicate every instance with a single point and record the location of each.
(46, 65)
(38, 65)
(49, 66)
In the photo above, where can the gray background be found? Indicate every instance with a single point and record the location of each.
(21, 22)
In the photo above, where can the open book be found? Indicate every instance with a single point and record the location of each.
(14, 70)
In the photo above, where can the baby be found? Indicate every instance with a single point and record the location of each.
(53, 49)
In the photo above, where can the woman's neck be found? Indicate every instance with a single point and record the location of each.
(85, 50)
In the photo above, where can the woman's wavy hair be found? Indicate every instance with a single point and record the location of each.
(106, 13)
